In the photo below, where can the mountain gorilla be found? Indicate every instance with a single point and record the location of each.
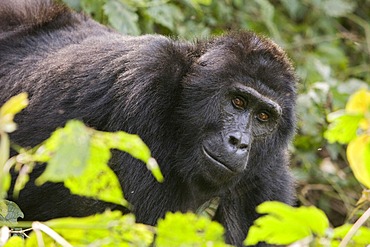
(217, 114)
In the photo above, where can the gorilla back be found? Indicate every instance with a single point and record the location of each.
(218, 114)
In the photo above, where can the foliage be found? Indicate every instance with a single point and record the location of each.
(352, 126)
(7, 113)
(87, 152)
(107, 229)
(282, 224)
(329, 42)
(9, 211)
(178, 229)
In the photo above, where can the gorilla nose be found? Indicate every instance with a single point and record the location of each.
(238, 142)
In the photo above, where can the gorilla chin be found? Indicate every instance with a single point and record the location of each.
(223, 167)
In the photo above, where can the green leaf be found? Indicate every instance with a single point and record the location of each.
(293, 7)
(68, 151)
(109, 229)
(361, 237)
(125, 142)
(80, 159)
(284, 224)
(178, 229)
(122, 17)
(267, 12)
(79, 156)
(343, 128)
(14, 105)
(338, 8)
(166, 15)
(75, 4)
(4, 184)
(9, 211)
(203, 2)
(7, 112)
(4, 156)
(97, 180)
(133, 145)
(94, 8)
(14, 241)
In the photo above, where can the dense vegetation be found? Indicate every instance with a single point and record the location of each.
(329, 44)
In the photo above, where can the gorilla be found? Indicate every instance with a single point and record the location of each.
(218, 114)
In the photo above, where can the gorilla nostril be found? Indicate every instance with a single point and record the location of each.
(237, 143)
(243, 146)
(234, 141)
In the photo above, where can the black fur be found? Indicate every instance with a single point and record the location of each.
(176, 95)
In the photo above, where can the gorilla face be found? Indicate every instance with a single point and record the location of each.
(246, 115)
(235, 104)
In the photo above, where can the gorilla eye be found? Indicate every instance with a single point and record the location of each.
(239, 103)
(263, 116)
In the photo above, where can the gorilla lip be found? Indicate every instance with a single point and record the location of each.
(215, 161)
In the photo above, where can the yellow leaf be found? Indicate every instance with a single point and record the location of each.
(365, 123)
(358, 154)
(9, 109)
(14, 105)
(359, 102)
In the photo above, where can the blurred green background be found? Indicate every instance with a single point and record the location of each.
(329, 44)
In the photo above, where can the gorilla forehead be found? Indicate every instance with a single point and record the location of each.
(247, 55)
(240, 46)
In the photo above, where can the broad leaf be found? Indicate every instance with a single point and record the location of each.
(68, 151)
(133, 145)
(284, 224)
(361, 237)
(338, 8)
(122, 17)
(14, 241)
(343, 129)
(9, 211)
(109, 229)
(79, 156)
(97, 180)
(188, 229)
(166, 15)
(358, 154)
(359, 102)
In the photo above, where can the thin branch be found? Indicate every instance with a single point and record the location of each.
(37, 226)
(354, 228)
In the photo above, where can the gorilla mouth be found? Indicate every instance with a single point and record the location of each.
(215, 161)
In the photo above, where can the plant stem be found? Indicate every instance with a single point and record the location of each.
(354, 228)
